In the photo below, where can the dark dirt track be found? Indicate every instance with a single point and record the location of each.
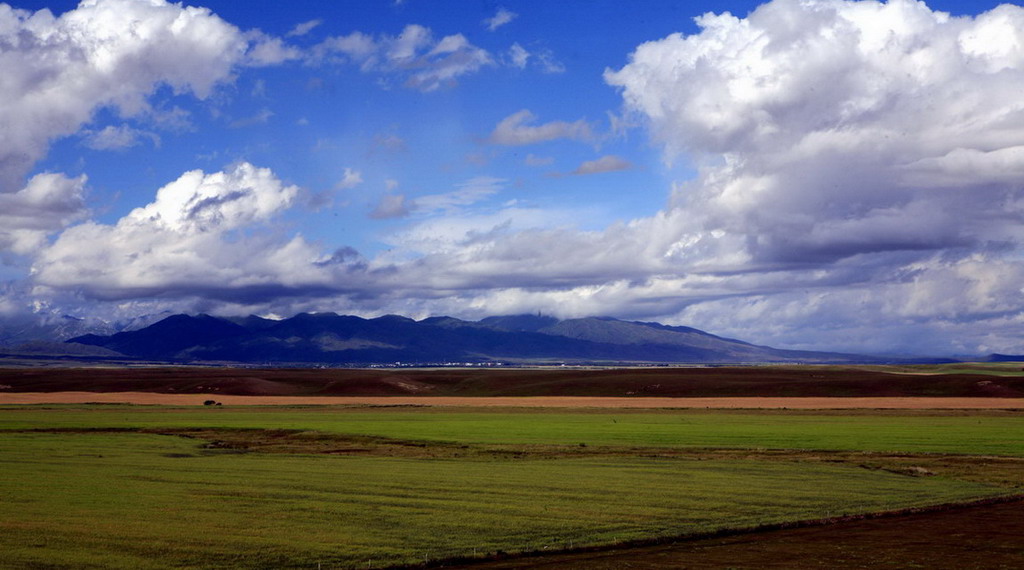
(981, 537)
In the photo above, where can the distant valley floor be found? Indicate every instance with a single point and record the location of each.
(986, 385)
(798, 403)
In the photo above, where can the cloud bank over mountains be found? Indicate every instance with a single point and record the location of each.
(862, 148)
(857, 181)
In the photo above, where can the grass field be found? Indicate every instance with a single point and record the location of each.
(994, 433)
(372, 487)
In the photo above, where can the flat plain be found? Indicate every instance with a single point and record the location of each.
(357, 486)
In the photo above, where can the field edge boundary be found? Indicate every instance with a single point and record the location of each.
(721, 533)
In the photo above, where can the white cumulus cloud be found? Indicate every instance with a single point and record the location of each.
(199, 202)
(518, 56)
(607, 163)
(193, 237)
(414, 56)
(391, 206)
(48, 203)
(543, 59)
(118, 137)
(845, 128)
(266, 50)
(500, 18)
(516, 130)
(349, 179)
(304, 28)
(466, 194)
(58, 70)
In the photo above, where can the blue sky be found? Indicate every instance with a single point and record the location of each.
(824, 175)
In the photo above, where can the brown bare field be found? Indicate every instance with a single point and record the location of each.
(631, 383)
(149, 398)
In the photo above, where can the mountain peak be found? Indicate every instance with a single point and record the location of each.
(519, 323)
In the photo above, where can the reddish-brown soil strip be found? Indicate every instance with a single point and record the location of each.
(531, 402)
(986, 536)
(724, 382)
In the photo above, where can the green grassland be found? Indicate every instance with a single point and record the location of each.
(279, 487)
(1007, 369)
(991, 433)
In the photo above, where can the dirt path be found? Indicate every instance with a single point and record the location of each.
(532, 402)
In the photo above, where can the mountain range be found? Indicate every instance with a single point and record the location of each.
(332, 339)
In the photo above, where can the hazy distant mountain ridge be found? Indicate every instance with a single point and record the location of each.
(603, 329)
(42, 348)
(49, 328)
(54, 327)
(329, 338)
